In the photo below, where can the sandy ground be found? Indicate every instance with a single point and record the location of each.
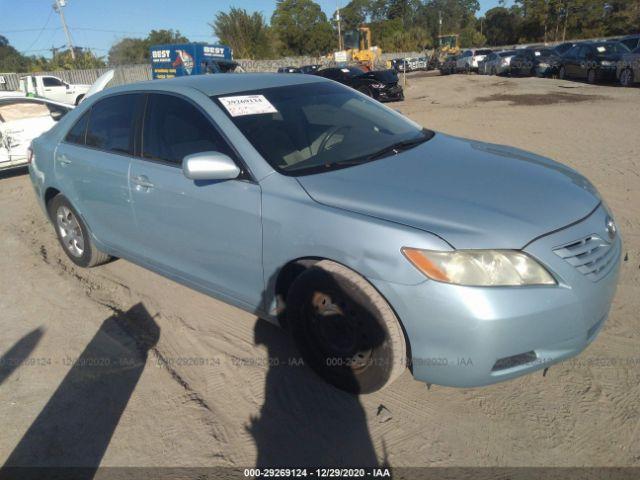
(118, 366)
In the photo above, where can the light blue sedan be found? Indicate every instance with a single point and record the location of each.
(377, 243)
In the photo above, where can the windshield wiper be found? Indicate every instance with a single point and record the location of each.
(398, 147)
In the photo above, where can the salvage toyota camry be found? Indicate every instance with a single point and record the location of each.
(377, 243)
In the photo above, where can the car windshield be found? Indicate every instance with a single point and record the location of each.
(315, 127)
(354, 71)
(386, 76)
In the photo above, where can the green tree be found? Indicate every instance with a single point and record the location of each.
(247, 34)
(10, 59)
(85, 59)
(302, 28)
(353, 14)
(129, 51)
(501, 26)
(136, 50)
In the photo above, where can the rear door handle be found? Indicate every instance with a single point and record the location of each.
(64, 160)
(141, 182)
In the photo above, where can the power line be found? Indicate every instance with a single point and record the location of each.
(41, 30)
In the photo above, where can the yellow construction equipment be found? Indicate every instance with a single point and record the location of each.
(449, 44)
(358, 48)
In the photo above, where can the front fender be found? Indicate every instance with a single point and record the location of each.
(295, 226)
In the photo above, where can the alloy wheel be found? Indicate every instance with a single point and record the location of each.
(70, 231)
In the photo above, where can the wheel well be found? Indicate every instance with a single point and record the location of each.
(80, 97)
(49, 194)
(287, 275)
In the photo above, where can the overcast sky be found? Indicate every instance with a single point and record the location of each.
(33, 28)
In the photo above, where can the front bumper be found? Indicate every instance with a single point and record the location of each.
(390, 93)
(472, 336)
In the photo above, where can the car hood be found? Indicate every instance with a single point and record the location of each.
(471, 194)
(383, 76)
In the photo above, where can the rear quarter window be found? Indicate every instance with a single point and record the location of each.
(78, 132)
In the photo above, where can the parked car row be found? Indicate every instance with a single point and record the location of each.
(592, 61)
(381, 85)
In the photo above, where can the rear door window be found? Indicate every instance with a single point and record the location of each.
(175, 128)
(111, 124)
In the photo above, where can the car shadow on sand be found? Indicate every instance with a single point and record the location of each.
(19, 353)
(76, 425)
(304, 421)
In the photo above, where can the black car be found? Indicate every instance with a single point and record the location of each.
(379, 84)
(592, 61)
(631, 41)
(289, 70)
(448, 66)
(310, 68)
(541, 62)
(564, 48)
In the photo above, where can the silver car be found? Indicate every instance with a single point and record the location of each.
(497, 63)
(377, 243)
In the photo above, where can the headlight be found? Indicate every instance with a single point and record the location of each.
(607, 63)
(377, 85)
(486, 268)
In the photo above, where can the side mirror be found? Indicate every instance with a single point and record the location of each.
(209, 166)
(67, 86)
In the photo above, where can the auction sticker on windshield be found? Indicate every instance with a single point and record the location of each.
(247, 105)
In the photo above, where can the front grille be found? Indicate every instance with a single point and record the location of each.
(592, 256)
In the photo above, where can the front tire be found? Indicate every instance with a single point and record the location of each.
(626, 77)
(345, 331)
(562, 74)
(73, 234)
(591, 76)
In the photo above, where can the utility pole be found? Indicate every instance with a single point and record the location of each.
(57, 7)
(338, 20)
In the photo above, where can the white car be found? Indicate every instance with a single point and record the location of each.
(24, 118)
(468, 61)
(21, 120)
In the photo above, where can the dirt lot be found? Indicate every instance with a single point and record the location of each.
(119, 366)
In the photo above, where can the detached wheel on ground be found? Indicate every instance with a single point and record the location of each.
(345, 331)
(73, 234)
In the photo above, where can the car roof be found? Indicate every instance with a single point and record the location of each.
(221, 83)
